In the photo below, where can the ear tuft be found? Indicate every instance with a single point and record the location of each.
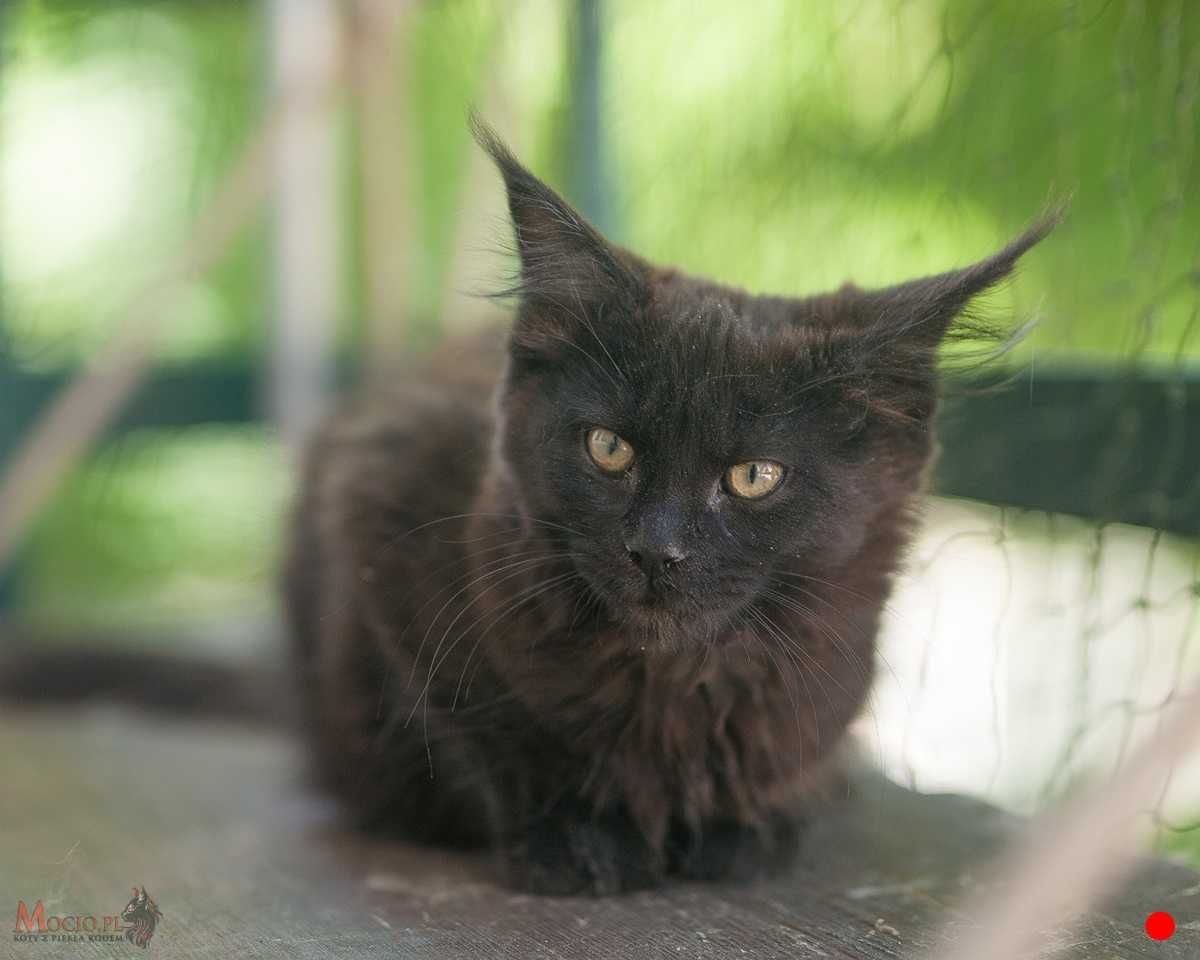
(963, 285)
(564, 259)
(529, 200)
(888, 338)
(922, 312)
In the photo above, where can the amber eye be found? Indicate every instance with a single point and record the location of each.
(609, 452)
(753, 479)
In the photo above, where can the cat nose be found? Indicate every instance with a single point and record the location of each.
(653, 559)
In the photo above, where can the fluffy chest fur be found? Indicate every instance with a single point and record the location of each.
(735, 733)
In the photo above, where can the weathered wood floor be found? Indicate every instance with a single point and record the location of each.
(244, 862)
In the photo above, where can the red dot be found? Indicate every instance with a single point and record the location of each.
(1160, 925)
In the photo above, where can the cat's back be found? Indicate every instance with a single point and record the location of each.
(389, 476)
(377, 542)
(416, 443)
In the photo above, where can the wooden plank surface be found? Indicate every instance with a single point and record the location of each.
(245, 861)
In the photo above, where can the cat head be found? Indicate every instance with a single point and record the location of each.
(701, 441)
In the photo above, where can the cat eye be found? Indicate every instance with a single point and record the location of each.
(608, 451)
(753, 479)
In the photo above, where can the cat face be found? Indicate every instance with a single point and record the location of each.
(691, 453)
(701, 443)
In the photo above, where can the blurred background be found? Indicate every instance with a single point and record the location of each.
(215, 215)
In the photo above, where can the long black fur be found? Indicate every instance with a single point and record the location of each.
(487, 656)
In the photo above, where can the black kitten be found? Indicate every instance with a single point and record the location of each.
(607, 599)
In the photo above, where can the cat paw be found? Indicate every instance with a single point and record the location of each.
(581, 858)
(731, 852)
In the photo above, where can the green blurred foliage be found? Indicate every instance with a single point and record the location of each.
(789, 146)
(782, 146)
(163, 528)
(116, 121)
(1181, 841)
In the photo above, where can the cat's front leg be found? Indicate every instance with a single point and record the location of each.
(724, 850)
(574, 853)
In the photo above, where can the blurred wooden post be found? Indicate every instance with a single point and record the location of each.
(8, 572)
(384, 161)
(589, 185)
(305, 48)
(477, 254)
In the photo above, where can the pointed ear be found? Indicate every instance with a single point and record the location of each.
(566, 266)
(885, 341)
(922, 313)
